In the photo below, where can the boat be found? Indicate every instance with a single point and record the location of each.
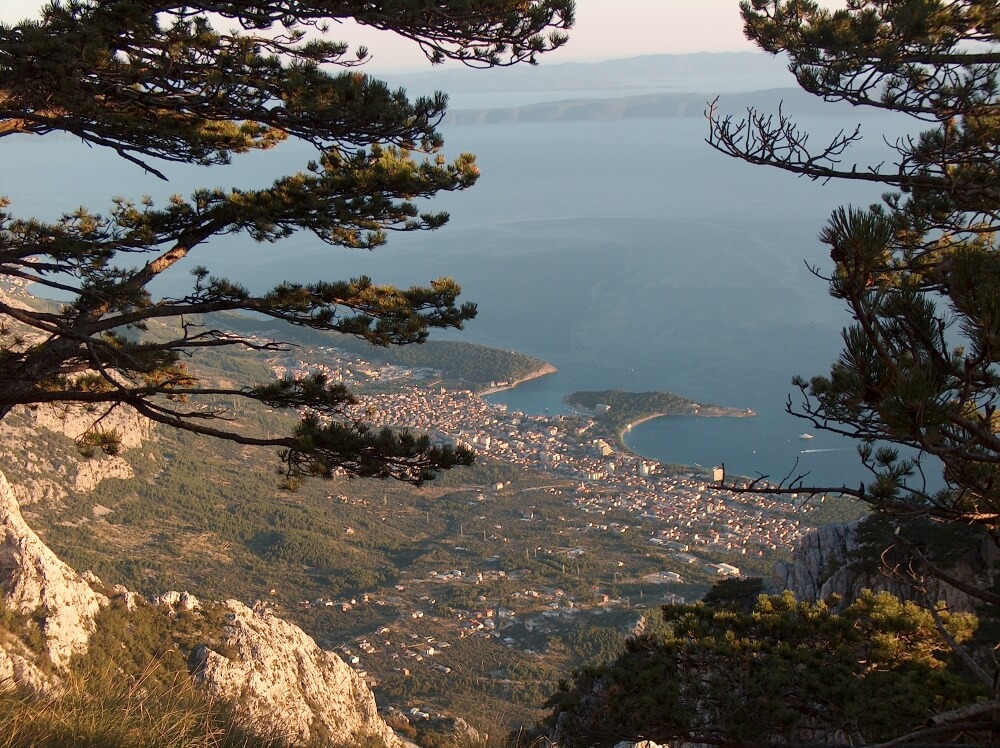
(806, 436)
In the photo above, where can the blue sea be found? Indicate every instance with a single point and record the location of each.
(628, 254)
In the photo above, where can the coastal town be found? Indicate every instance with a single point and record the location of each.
(686, 513)
(557, 536)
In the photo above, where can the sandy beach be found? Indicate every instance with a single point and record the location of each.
(536, 374)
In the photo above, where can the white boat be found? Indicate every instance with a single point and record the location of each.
(806, 436)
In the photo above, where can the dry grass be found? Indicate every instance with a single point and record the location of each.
(112, 711)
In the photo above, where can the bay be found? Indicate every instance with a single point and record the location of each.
(627, 253)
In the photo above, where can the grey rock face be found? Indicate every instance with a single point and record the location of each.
(824, 564)
(816, 569)
(284, 683)
(33, 581)
(18, 671)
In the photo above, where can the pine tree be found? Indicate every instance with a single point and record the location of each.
(159, 82)
(781, 673)
(920, 271)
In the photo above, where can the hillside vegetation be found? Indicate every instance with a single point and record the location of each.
(617, 410)
(477, 366)
(346, 559)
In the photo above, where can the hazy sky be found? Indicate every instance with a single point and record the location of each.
(605, 29)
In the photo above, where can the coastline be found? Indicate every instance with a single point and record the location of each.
(542, 371)
(629, 410)
(641, 420)
(696, 411)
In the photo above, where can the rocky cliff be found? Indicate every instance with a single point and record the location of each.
(818, 567)
(833, 560)
(36, 584)
(40, 458)
(282, 683)
(282, 680)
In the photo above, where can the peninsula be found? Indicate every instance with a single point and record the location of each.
(617, 411)
(542, 370)
(483, 369)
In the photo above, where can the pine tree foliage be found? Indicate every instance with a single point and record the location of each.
(159, 82)
(917, 381)
(920, 271)
(781, 673)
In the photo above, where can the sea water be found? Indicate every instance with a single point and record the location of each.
(628, 253)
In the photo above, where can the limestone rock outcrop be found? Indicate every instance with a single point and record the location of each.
(34, 582)
(18, 671)
(74, 420)
(463, 733)
(90, 473)
(818, 564)
(175, 600)
(278, 677)
(282, 683)
(825, 563)
(45, 466)
(281, 680)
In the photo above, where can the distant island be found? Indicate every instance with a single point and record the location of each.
(663, 105)
(617, 411)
